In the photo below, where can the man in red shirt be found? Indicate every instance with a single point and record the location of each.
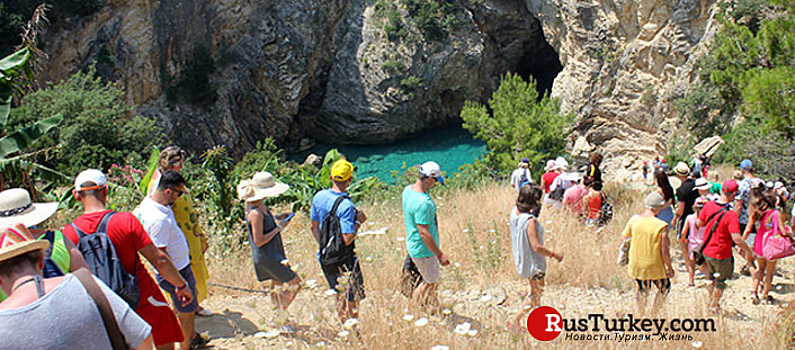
(718, 250)
(129, 238)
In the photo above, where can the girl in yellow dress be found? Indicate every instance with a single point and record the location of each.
(172, 158)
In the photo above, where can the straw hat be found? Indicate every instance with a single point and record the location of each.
(260, 186)
(15, 241)
(17, 208)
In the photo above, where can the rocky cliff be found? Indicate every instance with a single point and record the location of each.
(235, 71)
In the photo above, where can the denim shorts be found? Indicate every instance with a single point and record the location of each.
(187, 274)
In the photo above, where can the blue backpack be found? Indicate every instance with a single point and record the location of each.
(100, 255)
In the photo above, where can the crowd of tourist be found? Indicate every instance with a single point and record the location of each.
(51, 269)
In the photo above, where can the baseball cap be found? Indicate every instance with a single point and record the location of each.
(431, 169)
(90, 175)
(730, 186)
(654, 200)
(341, 170)
(681, 169)
(746, 164)
(525, 160)
(700, 201)
(702, 184)
(778, 185)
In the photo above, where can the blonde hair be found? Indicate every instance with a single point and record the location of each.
(170, 156)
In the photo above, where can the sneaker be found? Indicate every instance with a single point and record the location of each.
(204, 313)
(198, 342)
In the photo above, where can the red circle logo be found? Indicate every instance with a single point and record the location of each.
(545, 323)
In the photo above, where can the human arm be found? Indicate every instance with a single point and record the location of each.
(255, 217)
(535, 243)
(750, 226)
(427, 239)
(165, 267)
(147, 344)
(665, 251)
(680, 211)
(350, 220)
(315, 226)
(685, 231)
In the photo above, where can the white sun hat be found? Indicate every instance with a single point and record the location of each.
(16, 207)
(260, 186)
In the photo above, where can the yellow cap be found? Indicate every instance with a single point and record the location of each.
(341, 170)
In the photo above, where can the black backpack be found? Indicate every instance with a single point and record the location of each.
(606, 212)
(100, 255)
(333, 251)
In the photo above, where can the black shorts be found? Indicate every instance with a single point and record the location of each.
(664, 285)
(355, 282)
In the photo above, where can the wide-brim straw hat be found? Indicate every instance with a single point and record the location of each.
(262, 185)
(16, 207)
(15, 241)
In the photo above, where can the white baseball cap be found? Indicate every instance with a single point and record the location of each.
(431, 169)
(90, 175)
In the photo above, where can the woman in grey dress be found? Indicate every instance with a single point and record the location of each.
(267, 250)
(529, 253)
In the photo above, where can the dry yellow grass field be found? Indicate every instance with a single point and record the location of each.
(480, 287)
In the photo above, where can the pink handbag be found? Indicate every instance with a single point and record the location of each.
(776, 245)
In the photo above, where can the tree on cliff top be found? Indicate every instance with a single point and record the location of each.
(520, 125)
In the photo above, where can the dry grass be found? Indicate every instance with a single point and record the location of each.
(474, 233)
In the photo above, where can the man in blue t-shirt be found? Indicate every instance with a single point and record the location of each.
(350, 221)
(422, 232)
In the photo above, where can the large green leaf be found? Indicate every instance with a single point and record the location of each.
(151, 165)
(15, 62)
(18, 140)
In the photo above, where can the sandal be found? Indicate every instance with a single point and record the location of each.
(768, 300)
(754, 298)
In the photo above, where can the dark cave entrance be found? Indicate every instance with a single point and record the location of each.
(542, 63)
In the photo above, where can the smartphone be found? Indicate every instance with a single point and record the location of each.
(289, 217)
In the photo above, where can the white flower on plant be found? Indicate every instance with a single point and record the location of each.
(343, 334)
(408, 318)
(421, 322)
(331, 292)
(440, 347)
(697, 344)
(350, 323)
(472, 332)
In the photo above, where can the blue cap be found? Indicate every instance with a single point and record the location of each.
(746, 164)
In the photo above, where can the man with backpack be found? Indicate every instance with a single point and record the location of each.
(127, 238)
(521, 175)
(722, 229)
(335, 222)
(158, 220)
(422, 233)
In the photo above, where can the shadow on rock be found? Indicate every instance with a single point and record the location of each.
(226, 325)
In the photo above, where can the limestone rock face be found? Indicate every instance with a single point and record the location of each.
(624, 63)
(326, 70)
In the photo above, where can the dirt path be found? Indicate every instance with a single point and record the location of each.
(241, 320)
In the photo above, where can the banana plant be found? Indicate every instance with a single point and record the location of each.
(16, 162)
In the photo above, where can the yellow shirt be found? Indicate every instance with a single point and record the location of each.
(645, 257)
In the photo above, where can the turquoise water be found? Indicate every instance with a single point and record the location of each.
(451, 147)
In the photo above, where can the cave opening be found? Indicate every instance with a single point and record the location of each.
(541, 62)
